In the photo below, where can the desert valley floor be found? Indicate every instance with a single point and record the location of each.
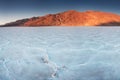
(51, 53)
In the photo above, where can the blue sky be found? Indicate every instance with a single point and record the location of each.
(11, 10)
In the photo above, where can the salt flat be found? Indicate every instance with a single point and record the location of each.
(51, 53)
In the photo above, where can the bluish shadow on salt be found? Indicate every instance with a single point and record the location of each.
(59, 53)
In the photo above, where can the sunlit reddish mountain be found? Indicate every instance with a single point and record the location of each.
(71, 18)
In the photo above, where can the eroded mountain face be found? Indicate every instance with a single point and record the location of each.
(71, 18)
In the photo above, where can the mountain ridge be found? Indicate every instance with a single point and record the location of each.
(71, 18)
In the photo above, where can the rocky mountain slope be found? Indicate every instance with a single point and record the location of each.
(71, 18)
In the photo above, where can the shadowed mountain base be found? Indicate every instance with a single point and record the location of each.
(110, 24)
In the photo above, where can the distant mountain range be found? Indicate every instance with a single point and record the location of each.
(71, 18)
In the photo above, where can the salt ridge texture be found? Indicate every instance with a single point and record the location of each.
(60, 53)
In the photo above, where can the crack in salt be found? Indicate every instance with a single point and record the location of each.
(51, 64)
(7, 70)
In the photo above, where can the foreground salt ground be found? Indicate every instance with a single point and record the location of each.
(60, 53)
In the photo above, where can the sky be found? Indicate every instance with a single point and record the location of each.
(11, 10)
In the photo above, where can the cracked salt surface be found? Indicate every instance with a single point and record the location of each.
(60, 53)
